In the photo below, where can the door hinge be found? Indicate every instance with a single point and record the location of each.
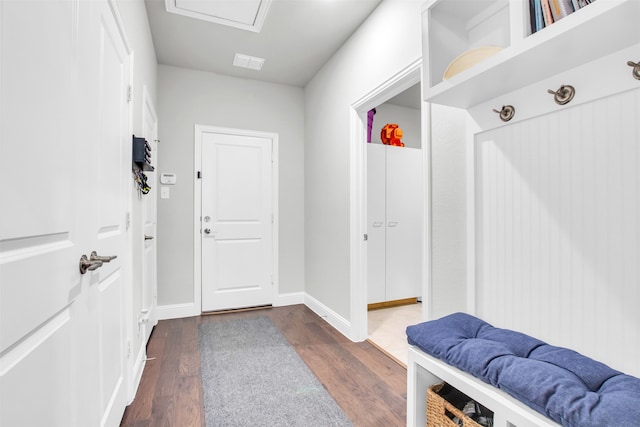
(366, 237)
(199, 175)
(130, 93)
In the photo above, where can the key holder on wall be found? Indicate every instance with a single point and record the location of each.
(636, 69)
(141, 181)
(564, 95)
(506, 113)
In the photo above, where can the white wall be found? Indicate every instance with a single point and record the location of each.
(392, 31)
(408, 119)
(188, 97)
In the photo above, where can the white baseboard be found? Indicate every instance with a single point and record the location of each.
(178, 311)
(138, 368)
(334, 319)
(291, 298)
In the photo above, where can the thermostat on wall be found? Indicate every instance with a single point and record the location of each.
(168, 178)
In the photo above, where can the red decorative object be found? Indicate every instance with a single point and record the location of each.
(391, 135)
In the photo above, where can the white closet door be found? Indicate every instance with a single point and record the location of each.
(376, 206)
(404, 223)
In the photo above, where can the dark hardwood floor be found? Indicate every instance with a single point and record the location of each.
(369, 386)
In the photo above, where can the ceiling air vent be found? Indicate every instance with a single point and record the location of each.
(246, 61)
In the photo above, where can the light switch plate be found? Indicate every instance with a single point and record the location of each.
(164, 192)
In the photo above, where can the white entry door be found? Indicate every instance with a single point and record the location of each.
(237, 216)
(65, 72)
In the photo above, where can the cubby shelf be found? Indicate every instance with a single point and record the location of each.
(596, 30)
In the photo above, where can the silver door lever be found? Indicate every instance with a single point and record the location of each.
(96, 257)
(88, 265)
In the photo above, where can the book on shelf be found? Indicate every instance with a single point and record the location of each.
(539, 18)
(543, 13)
(546, 13)
(560, 8)
(532, 16)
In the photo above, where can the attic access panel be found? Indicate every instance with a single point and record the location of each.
(246, 14)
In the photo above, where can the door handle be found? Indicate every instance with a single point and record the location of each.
(209, 232)
(96, 257)
(87, 264)
(147, 237)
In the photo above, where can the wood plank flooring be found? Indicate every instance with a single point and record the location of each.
(369, 386)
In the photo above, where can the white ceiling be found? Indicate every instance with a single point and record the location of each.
(297, 38)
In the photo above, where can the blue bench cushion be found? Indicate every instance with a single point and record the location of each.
(567, 387)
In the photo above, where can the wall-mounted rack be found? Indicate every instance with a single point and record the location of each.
(141, 154)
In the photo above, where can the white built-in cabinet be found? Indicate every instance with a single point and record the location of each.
(552, 195)
(394, 217)
(451, 27)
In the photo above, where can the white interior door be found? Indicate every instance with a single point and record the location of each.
(149, 312)
(376, 223)
(237, 221)
(39, 246)
(404, 223)
(63, 163)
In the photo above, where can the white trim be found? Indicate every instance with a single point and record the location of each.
(472, 129)
(129, 318)
(255, 27)
(197, 204)
(291, 298)
(149, 108)
(398, 83)
(427, 289)
(197, 207)
(334, 319)
(178, 311)
(138, 368)
(121, 28)
(147, 102)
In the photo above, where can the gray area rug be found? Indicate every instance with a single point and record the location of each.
(251, 376)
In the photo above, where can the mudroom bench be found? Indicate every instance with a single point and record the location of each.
(522, 380)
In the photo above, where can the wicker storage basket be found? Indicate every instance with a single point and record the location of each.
(438, 410)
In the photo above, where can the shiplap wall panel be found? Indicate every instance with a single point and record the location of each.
(558, 228)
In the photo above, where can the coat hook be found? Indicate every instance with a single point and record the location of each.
(636, 69)
(564, 95)
(506, 113)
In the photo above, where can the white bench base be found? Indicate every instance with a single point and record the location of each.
(424, 370)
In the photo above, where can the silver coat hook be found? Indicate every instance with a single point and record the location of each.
(506, 113)
(564, 95)
(636, 69)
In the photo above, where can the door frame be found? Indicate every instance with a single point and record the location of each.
(199, 130)
(404, 79)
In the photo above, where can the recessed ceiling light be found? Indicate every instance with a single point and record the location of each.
(247, 61)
